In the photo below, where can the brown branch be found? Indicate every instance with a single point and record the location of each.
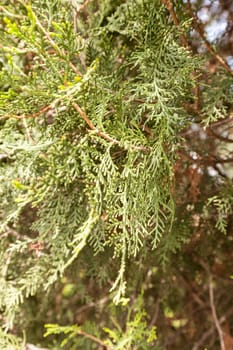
(192, 291)
(33, 115)
(214, 315)
(76, 10)
(209, 332)
(92, 126)
(92, 305)
(220, 137)
(207, 161)
(185, 43)
(155, 314)
(201, 32)
(82, 7)
(219, 171)
(170, 8)
(221, 122)
(84, 117)
(222, 161)
(103, 134)
(95, 339)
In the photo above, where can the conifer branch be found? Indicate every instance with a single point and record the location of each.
(93, 304)
(185, 43)
(87, 168)
(10, 14)
(60, 52)
(56, 47)
(26, 116)
(103, 134)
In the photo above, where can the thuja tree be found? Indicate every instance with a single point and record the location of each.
(116, 168)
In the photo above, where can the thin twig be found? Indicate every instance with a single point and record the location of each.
(101, 133)
(7, 263)
(193, 291)
(201, 32)
(25, 116)
(93, 304)
(56, 47)
(214, 314)
(220, 137)
(48, 36)
(220, 122)
(155, 314)
(197, 94)
(60, 52)
(185, 43)
(206, 161)
(95, 339)
(210, 331)
(170, 8)
(10, 14)
(43, 109)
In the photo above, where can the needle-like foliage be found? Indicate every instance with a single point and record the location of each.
(93, 102)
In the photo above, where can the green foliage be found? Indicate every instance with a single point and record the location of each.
(95, 96)
(94, 177)
(135, 335)
(10, 342)
(223, 207)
